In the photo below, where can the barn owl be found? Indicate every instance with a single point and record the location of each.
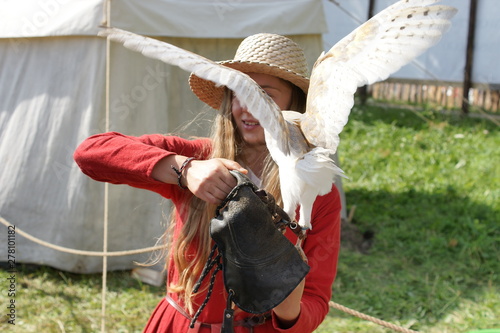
(302, 144)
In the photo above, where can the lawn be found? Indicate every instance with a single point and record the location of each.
(427, 185)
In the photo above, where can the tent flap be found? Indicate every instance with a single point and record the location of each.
(211, 19)
(31, 18)
(188, 18)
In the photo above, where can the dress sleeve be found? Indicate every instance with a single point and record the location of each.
(321, 247)
(120, 159)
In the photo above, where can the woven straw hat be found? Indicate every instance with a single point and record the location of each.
(261, 53)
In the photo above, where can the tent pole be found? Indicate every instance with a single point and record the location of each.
(467, 84)
(106, 185)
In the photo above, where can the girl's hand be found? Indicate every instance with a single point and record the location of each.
(210, 180)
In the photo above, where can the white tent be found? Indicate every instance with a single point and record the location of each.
(53, 96)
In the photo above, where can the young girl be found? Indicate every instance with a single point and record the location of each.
(237, 142)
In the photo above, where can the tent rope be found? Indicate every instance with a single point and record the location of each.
(81, 252)
(160, 247)
(369, 318)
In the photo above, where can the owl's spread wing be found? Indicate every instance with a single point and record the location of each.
(248, 92)
(369, 54)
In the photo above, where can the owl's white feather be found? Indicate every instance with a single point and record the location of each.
(301, 144)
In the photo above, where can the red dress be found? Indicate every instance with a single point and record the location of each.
(120, 159)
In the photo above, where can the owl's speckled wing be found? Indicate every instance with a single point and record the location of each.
(372, 52)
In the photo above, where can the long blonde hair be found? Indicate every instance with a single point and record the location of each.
(226, 143)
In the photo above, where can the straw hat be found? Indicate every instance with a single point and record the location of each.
(261, 53)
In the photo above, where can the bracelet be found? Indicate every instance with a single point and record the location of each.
(181, 169)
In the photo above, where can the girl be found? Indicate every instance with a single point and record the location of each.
(194, 174)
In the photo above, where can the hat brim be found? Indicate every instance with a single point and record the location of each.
(209, 93)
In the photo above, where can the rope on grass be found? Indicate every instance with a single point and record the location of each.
(80, 252)
(370, 318)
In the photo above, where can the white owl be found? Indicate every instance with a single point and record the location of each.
(301, 144)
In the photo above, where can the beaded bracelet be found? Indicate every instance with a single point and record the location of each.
(179, 172)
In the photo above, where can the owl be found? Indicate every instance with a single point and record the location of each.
(302, 144)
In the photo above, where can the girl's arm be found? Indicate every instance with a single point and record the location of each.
(146, 162)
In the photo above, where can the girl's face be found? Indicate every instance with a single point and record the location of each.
(249, 128)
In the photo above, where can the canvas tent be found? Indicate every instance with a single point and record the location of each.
(53, 95)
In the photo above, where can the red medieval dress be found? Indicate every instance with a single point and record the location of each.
(120, 159)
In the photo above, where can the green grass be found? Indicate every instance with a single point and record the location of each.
(49, 300)
(427, 185)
